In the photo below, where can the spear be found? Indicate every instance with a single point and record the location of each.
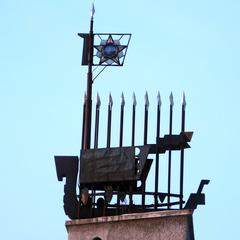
(97, 113)
(133, 118)
(121, 120)
(88, 109)
(98, 104)
(145, 142)
(110, 104)
(182, 152)
(146, 119)
(159, 103)
(170, 153)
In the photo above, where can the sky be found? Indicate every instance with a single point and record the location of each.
(179, 46)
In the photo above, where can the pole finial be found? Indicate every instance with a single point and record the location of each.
(159, 99)
(98, 100)
(85, 98)
(110, 101)
(171, 100)
(146, 100)
(122, 100)
(92, 11)
(184, 103)
(134, 100)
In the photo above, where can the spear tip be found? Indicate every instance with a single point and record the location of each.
(110, 103)
(134, 100)
(159, 99)
(85, 97)
(92, 11)
(122, 100)
(184, 103)
(146, 100)
(171, 100)
(98, 100)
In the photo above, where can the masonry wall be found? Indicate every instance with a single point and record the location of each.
(163, 225)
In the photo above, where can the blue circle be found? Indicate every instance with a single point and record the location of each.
(110, 50)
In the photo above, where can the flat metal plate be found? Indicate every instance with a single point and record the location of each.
(107, 165)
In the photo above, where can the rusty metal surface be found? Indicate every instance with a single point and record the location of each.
(113, 172)
(118, 169)
(112, 164)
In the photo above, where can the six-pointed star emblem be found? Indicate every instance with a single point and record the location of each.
(110, 51)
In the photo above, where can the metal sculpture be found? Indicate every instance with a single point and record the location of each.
(108, 176)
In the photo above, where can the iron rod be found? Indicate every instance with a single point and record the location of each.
(97, 114)
(170, 152)
(88, 110)
(182, 153)
(145, 142)
(83, 119)
(146, 119)
(133, 118)
(121, 121)
(157, 152)
(109, 126)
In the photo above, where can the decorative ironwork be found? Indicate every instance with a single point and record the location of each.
(110, 176)
(117, 170)
(110, 49)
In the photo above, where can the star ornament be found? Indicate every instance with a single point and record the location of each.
(110, 51)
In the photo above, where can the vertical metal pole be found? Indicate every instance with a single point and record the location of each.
(97, 113)
(157, 152)
(133, 142)
(121, 121)
(98, 104)
(88, 112)
(170, 152)
(82, 147)
(146, 119)
(182, 153)
(83, 119)
(109, 121)
(145, 142)
(133, 118)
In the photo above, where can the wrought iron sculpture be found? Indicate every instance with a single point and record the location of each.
(109, 175)
(115, 171)
(109, 49)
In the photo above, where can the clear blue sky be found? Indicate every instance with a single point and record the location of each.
(187, 45)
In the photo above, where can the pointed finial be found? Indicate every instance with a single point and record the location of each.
(146, 100)
(85, 98)
(98, 101)
(184, 101)
(122, 100)
(134, 100)
(159, 99)
(171, 100)
(110, 101)
(92, 11)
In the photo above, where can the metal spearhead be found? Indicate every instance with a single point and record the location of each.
(171, 100)
(146, 100)
(92, 11)
(159, 99)
(98, 101)
(110, 101)
(85, 98)
(134, 100)
(184, 101)
(122, 100)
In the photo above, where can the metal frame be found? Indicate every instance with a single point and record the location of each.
(106, 179)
